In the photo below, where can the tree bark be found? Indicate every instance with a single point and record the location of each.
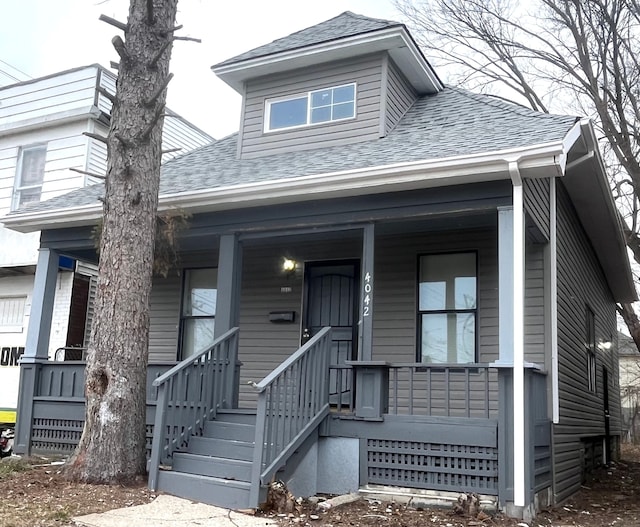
(113, 443)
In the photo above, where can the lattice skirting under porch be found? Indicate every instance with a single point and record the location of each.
(440, 454)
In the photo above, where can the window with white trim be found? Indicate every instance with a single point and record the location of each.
(326, 105)
(29, 175)
(447, 308)
(12, 313)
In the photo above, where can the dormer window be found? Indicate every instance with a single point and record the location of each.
(326, 105)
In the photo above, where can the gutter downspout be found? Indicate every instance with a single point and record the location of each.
(519, 460)
(553, 300)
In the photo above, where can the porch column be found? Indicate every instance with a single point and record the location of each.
(228, 305)
(365, 331)
(37, 346)
(229, 283)
(511, 260)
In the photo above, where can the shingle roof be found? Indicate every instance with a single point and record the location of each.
(344, 25)
(451, 123)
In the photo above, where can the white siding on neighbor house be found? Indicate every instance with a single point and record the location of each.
(66, 148)
(366, 72)
(176, 132)
(33, 102)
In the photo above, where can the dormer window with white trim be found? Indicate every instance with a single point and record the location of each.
(326, 105)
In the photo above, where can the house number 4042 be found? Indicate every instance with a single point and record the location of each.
(368, 295)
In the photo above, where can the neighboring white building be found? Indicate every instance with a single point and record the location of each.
(42, 126)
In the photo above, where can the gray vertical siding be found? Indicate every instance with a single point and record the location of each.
(400, 96)
(365, 71)
(580, 282)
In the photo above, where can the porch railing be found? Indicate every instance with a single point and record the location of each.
(189, 394)
(448, 390)
(292, 401)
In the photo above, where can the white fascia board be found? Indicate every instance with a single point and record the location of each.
(395, 38)
(374, 180)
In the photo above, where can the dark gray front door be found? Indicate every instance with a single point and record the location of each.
(331, 299)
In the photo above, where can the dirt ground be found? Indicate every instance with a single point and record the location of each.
(38, 496)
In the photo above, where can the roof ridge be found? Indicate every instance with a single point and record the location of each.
(505, 104)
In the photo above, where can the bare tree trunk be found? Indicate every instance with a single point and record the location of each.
(630, 318)
(112, 447)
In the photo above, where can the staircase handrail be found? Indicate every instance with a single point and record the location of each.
(209, 377)
(292, 402)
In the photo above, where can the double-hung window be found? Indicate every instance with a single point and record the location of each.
(447, 308)
(198, 310)
(30, 175)
(314, 107)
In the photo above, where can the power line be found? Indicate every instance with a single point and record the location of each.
(14, 68)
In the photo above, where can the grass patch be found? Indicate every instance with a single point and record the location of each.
(12, 465)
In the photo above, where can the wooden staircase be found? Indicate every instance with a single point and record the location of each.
(216, 467)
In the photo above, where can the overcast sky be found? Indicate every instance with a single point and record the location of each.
(40, 37)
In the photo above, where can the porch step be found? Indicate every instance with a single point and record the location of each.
(226, 448)
(237, 415)
(216, 468)
(230, 430)
(230, 469)
(206, 489)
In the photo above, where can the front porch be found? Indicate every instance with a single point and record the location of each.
(326, 366)
(411, 437)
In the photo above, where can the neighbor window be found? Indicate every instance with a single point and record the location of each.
(12, 313)
(314, 107)
(29, 176)
(590, 345)
(447, 308)
(198, 310)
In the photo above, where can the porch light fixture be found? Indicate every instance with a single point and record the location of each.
(288, 265)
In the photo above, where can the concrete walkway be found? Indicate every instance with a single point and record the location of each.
(169, 511)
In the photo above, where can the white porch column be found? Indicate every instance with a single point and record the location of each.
(511, 258)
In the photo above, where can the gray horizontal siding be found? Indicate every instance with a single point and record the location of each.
(365, 71)
(396, 274)
(400, 96)
(263, 344)
(395, 312)
(534, 315)
(580, 283)
(536, 202)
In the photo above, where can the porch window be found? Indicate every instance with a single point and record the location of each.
(447, 308)
(590, 345)
(198, 310)
(29, 176)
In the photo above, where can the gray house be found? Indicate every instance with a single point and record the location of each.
(386, 283)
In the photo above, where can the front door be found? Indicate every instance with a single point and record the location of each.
(331, 299)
